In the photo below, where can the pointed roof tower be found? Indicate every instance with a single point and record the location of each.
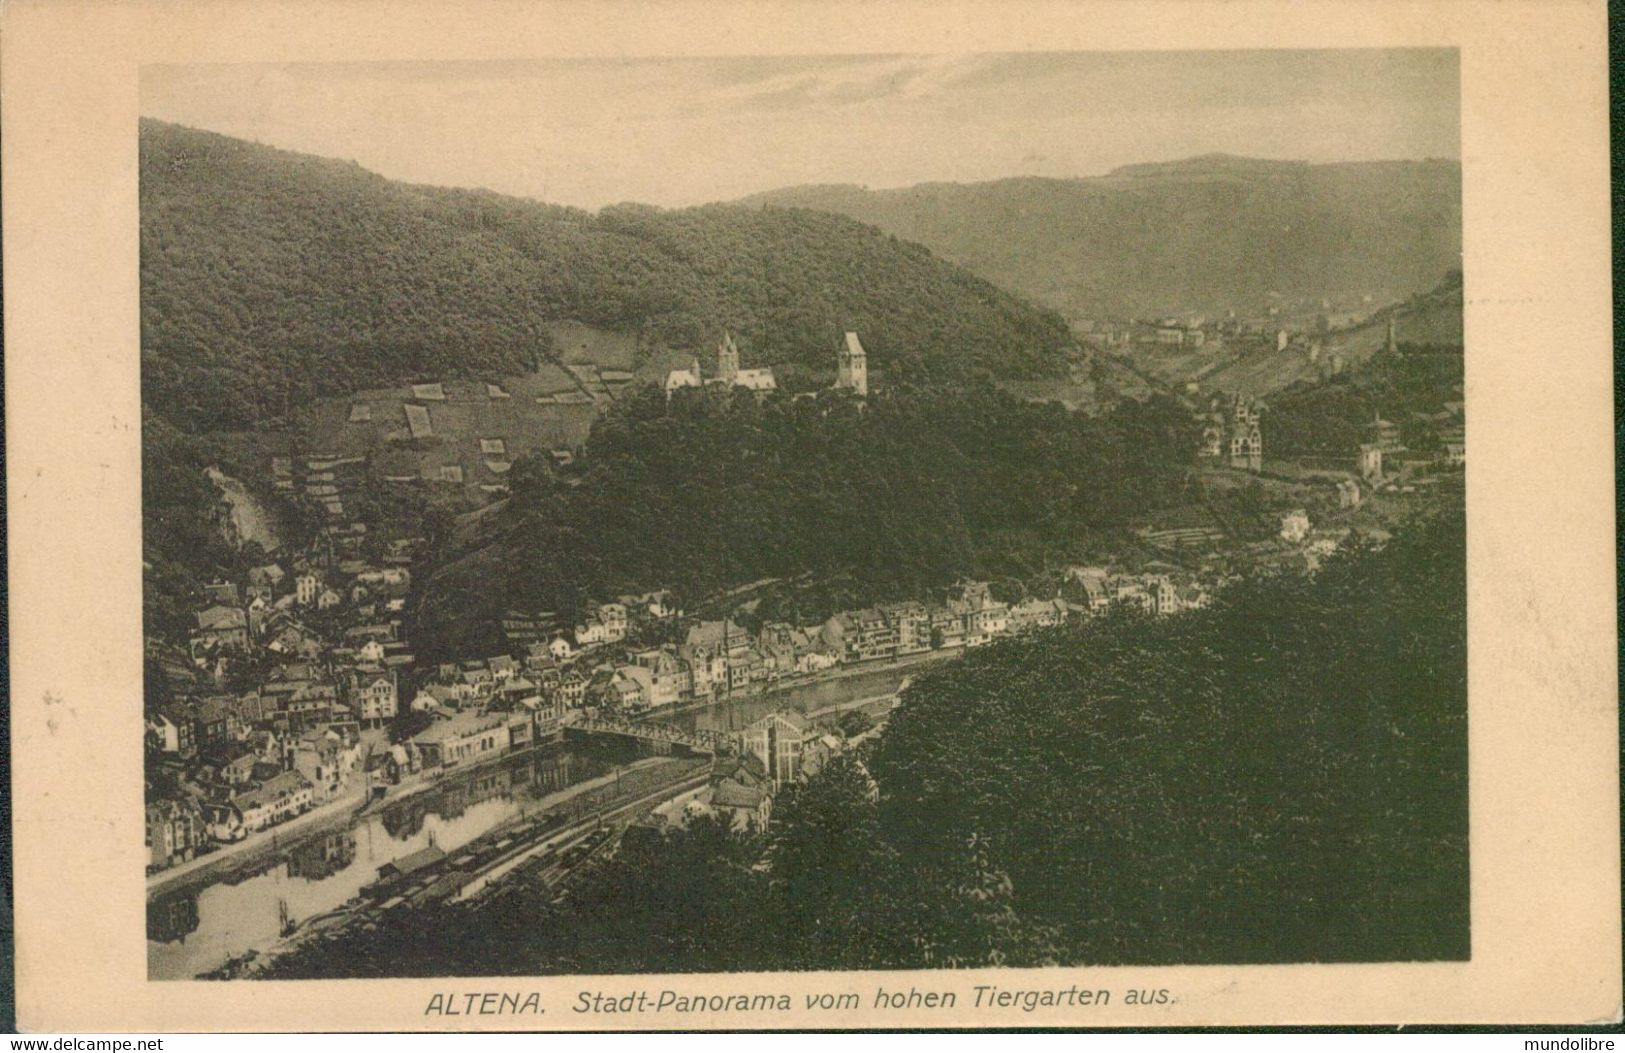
(727, 357)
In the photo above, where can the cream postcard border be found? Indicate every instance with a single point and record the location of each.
(1542, 682)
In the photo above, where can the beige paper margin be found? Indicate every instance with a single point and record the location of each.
(1545, 859)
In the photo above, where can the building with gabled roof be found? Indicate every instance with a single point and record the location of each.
(852, 367)
(777, 741)
(277, 800)
(682, 378)
(463, 739)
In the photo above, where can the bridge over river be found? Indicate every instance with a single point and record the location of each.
(662, 738)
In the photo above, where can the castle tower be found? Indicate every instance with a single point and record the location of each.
(728, 358)
(1393, 343)
(852, 372)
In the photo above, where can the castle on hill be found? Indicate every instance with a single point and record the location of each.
(728, 374)
(852, 371)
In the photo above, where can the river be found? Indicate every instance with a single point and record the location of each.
(815, 697)
(249, 519)
(195, 930)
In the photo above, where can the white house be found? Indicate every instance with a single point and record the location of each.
(1294, 526)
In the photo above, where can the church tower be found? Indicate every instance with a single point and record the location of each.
(853, 371)
(728, 358)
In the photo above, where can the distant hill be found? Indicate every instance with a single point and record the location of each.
(1207, 234)
(270, 277)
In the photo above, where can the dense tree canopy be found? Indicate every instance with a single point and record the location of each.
(268, 276)
(183, 543)
(896, 495)
(1333, 417)
(1279, 778)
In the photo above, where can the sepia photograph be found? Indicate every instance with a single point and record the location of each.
(760, 514)
(790, 516)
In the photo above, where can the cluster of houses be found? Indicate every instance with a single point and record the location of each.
(225, 775)
(279, 701)
(780, 748)
(1282, 325)
(1160, 589)
(1232, 434)
(275, 706)
(231, 766)
(1440, 438)
(719, 658)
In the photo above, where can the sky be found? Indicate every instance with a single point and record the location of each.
(676, 132)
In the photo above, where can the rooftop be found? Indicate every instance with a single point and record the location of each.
(461, 726)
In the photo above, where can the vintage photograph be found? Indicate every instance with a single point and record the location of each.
(782, 513)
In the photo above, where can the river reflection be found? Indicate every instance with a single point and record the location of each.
(322, 857)
(193, 931)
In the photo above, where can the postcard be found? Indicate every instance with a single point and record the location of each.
(700, 516)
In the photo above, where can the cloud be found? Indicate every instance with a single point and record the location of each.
(849, 81)
(677, 131)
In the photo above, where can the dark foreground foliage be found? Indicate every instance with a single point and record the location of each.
(1279, 778)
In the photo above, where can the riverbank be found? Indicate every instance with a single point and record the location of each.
(340, 811)
(343, 810)
(351, 806)
(604, 799)
(787, 685)
(856, 703)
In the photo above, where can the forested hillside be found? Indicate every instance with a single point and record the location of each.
(1207, 234)
(1281, 777)
(268, 276)
(1333, 417)
(182, 541)
(897, 496)
(1259, 370)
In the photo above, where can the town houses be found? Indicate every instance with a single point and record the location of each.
(1232, 434)
(297, 690)
(300, 708)
(288, 696)
(1391, 456)
(773, 752)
